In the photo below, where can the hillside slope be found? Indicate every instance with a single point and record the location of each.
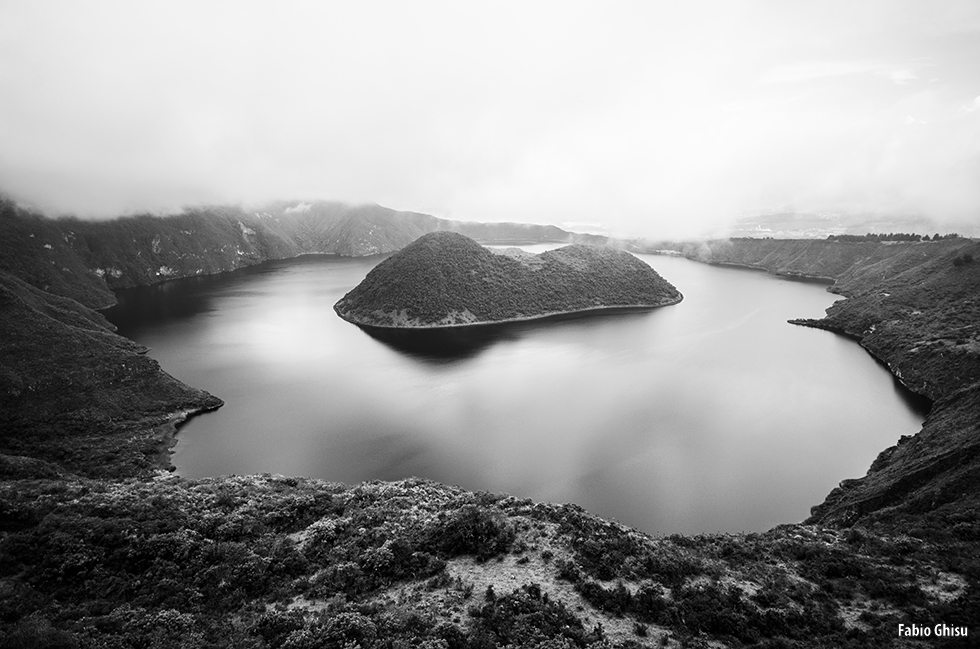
(288, 563)
(76, 397)
(445, 279)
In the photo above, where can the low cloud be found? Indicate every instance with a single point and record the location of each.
(654, 120)
(901, 77)
(810, 70)
(299, 208)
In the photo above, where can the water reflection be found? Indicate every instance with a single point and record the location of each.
(916, 403)
(440, 345)
(459, 343)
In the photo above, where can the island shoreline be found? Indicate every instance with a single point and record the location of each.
(554, 315)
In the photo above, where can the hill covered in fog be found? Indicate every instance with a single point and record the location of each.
(86, 259)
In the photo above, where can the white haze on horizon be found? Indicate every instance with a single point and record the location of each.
(649, 118)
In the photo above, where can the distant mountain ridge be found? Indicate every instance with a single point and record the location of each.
(86, 260)
(811, 225)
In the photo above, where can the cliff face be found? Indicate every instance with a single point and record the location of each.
(444, 279)
(915, 307)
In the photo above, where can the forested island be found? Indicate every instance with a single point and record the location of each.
(444, 279)
(101, 547)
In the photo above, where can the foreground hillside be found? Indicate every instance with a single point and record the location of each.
(445, 279)
(264, 561)
(77, 398)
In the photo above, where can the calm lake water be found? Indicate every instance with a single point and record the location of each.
(711, 415)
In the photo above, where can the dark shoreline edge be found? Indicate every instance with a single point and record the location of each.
(790, 275)
(920, 402)
(166, 433)
(545, 317)
(822, 323)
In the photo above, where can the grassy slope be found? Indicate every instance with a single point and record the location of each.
(442, 275)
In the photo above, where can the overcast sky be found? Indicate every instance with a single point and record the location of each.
(652, 118)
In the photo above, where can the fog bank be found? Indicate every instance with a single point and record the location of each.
(647, 118)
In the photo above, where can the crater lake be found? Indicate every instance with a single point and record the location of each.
(714, 414)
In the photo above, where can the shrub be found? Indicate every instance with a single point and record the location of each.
(567, 571)
(527, 618)
(963, 259)
(472, 530)
(37, 632)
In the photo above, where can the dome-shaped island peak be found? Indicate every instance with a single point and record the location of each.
(444, 279)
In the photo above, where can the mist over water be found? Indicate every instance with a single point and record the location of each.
(711, 415)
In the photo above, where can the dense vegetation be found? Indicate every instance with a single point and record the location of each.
(267, 561)
(446, 279)
(891, 236)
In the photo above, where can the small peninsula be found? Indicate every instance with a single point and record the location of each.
(447, 280)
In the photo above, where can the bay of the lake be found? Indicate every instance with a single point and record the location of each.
(711, 415)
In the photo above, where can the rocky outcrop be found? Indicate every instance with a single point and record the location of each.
(444, 279)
